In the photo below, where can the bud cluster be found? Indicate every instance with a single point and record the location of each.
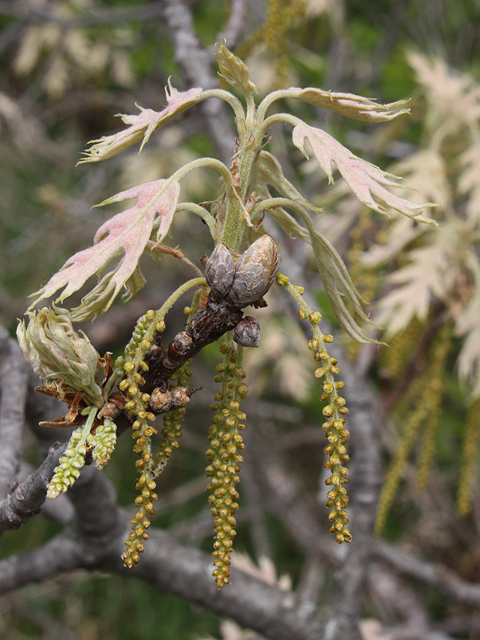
(224, 460)
(249, 279)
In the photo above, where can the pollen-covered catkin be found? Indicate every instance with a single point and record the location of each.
(334, 412)
(224, 458)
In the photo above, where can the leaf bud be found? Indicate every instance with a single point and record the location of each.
(59, 355)
(247, 332)
(254, 272)
(282, 280)
(220, 271)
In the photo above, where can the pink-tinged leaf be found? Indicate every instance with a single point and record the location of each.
(350, 105)
(368, 182)
(141, 126)
(126, 233)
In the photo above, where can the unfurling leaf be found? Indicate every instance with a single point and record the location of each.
(58, 355)
(127, 232)
(367, 181)
(350, 105)
(141, 126)
(334, 273)
(271, 173)
(234, 70)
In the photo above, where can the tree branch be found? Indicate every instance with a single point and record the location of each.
(27, 498)
(186, 572)
(13, 390)
(436, 575)
(31, 14)
(96, 542)
(58, 555)
(234, 27)
(196, 63)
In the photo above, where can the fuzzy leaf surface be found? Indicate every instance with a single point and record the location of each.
(126, 233)
(350, 105)
(234, 70)
(141, 126)
(433, 272)
(369, 183)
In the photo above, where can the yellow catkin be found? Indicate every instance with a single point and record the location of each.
(224, 458)
(334, 412)
(282, 17)
(148, 467)
(428, 398)
(394, 359)
(428, 441)
(470, 451)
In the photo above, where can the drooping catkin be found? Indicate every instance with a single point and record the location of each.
(470, 452)
(172, 427)
(424, 412)
(335, 412)
(224, 458)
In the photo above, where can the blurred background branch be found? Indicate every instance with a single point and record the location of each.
(67, 69)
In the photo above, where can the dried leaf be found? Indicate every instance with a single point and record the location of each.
(367, 181)
(127, 232)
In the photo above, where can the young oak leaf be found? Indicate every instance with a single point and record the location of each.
(128, 233)
(349, 104)
(468, 326)
(367, 181)
(141, 126)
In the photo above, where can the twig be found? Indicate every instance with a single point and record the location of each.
(234, 27)
(436, 575)
(27, 498)
(42, 14)
(13, 390)
(196, 63)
